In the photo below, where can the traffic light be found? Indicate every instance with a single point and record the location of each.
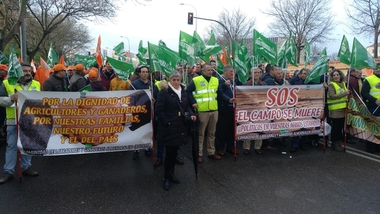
(190, 18)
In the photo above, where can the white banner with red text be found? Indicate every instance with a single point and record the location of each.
(264, 112)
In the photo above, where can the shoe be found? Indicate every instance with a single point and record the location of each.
(179, 161)
(174, 179)
(351, 141)
(270, 148)
(337, 146)
(294, 149)
(166, 184)
(5, 177)
(200, 159)
(220, 153)
(148, 153)
(303, 147)
(258, 151)
(232, 152)
(135, 156)
(158, 162)
(215, 157)
(246, 151)
(30, 172)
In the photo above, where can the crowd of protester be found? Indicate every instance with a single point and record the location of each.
(199, 90)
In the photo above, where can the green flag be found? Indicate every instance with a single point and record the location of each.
(170, 52)
(3, 59)
(240, 63)
(291, 51)
(122, 69)
(87, 61)
(264, 47)
(199, 45)
(307, 53)
(87, 88)
(120, 52)
(14, 67)
(219, 66)
(360, 58)
(248, 58)
(52, 57)
(281, 59)
(320, 67)
(344, 53)
(141, 53)
(161, 59)
(142, 50)
(212, 40)
(187, 47)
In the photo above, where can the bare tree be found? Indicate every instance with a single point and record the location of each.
(307, 20)
(12, 12)
(68, 36)
(238, 24)
(365, 19)
(49, 14)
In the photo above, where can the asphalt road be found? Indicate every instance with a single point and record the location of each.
(311, 181)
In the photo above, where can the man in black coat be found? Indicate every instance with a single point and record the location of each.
(57, 81)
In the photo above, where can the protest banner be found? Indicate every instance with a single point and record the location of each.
(264, 112)
(68, 123)
(360, 121)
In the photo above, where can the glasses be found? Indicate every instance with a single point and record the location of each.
(304, 73)
(70, 70)
(27, 70)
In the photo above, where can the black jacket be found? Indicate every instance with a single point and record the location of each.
(97, 86)
(173, 130)
(55, 83)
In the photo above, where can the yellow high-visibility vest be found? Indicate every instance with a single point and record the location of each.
(373, 80)
(34, 86)
(205, 93)
(335, 104)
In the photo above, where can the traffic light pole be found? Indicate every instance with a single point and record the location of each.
(229, 34)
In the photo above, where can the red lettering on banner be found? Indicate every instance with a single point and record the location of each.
(242, 116)
(282, 97)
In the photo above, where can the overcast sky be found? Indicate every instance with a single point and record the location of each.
(163, 19)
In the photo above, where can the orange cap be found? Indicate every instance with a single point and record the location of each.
(93, 75)
(3, 67)
(79, 67)
(59, 67)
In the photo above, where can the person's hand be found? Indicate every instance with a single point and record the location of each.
(377, 85)
(325, 85)
(193, 117)
(233, 100)
(377, 102)
(14, 97)
(228, 82)
(153, 100)
(195, 106)
(348, 92)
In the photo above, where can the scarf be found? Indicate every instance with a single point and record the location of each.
(177, 91)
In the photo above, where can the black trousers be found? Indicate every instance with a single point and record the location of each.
(224, 136)
(169, 161)
(337, 129)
